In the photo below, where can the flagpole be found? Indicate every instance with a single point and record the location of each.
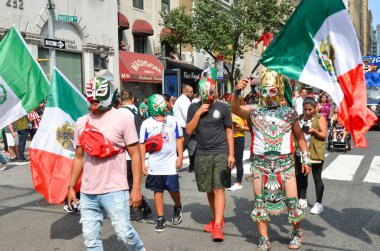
(254, 69)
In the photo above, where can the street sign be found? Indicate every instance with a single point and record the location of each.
(54, 43)
(67, 19)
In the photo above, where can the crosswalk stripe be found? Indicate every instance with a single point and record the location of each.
(373, 175)
(342, 168)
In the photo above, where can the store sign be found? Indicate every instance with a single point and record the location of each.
(142, 63)
(67, 19)
(54, 43)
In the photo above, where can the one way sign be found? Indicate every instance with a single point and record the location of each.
(54, 43)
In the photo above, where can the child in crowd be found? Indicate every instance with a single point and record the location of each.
(162, 164)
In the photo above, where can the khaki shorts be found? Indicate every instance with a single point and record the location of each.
(10, 140)
(211, 171)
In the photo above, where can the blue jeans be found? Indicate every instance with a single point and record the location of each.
(22, 138)
(116, 205)
(3, 159)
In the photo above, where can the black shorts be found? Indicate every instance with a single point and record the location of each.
(159, 183)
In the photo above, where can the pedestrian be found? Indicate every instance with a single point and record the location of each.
(169, 104)
(12, 139)
(3, 162)
(34, 120)
(239, 127)
(143, 107)
(163, 164)
(314, 127)
(23, 132)
(324, 107)
(131, 110)
(211, 120)
(298, 101)
(274, 181)
(180, 110)
(104, 180)
(4, 137)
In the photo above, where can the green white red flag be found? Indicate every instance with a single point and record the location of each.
(23, 84)
(52, 150)
(318, 46)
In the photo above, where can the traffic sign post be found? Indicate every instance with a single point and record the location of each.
(54, 43)
(67, 18)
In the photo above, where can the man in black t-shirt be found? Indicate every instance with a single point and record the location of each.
(211, 121)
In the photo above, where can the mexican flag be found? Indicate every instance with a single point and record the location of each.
(52, 150)
(23, 84)
(209, 73)
(318, 46)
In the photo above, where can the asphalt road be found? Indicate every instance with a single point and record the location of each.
(350, 221)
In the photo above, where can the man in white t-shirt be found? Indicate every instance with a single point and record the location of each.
(180, 109)
(298, 101)
(104, 180)
(162, 164)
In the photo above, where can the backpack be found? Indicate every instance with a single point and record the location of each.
(96, 144)
(138, 119)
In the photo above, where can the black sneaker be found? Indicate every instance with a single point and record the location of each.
(136, 214)
(177, 215)
(160, 225)
(14, 160)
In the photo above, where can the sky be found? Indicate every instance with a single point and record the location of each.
(374, 6)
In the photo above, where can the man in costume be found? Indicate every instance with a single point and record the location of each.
(274, 181)
(104, 180)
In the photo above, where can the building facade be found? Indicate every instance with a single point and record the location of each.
(90, 39)
(139, 32)
(374, 51)
(378, 39)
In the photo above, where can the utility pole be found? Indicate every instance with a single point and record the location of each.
(51, 6)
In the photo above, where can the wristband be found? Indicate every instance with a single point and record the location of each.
(236, 92)
(305, 158)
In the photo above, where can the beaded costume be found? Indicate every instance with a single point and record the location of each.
(273, 150)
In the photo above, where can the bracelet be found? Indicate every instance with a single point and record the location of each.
(236, 92)
(305, 158)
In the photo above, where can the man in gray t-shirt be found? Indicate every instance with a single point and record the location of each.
(211, 121)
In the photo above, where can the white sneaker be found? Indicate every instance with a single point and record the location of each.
(235, 187)
(302, 203)
(317, 209)
(3, 167)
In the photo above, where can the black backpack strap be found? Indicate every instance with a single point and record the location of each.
(130, 109)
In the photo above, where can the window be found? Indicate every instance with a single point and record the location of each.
(139, 4)
(139, 43)
(165, 6)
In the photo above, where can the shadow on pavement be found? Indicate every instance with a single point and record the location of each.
(376, 190)
(66, 228)
(354, 222)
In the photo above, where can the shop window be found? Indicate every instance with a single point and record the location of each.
(139, 4)
(165, 6)
(139, 43)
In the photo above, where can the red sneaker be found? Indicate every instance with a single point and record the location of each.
(217, 234)
(210, 226)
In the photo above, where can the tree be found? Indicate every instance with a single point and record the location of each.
(229, 31)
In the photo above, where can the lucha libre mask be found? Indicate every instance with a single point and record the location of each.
(156, 104)
(207, 90)
(269, 94)
(270, 82)
(101, 90)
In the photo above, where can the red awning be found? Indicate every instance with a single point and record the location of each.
(122, 21)
(142, 27)
(137, 67)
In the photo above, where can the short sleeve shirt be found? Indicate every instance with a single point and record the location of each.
(162, 162)
(211, 134)
(104, 175)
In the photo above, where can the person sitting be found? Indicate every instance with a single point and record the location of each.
(338, 131)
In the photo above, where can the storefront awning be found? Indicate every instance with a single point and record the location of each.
(122, 21)
(189, 73)
(140, 68)
(142, 27)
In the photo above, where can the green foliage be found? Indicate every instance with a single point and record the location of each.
(215, 27)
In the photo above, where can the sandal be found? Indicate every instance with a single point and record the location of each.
(264, 244)
(296, 239)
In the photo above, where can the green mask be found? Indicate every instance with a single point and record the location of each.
(156, 104)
